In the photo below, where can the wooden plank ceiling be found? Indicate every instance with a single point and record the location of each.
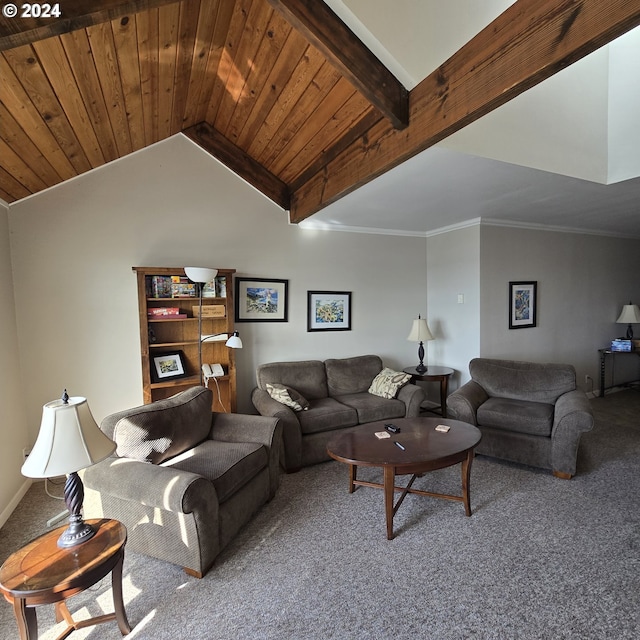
(279, 90)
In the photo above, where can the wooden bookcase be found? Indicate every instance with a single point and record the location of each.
(167, 335)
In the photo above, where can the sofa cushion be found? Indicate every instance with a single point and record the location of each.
(532, 381)
(326, 414)
(161, 430)
(229, 465)
(372, 408)
(351, 375)
(534, 418)
(287, 396)
(388, 382)
(306, 376)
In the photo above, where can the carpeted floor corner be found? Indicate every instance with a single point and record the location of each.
(539, 558)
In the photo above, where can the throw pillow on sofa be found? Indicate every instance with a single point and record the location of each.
(287, 396)
(388, 382)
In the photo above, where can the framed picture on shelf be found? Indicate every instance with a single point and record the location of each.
(329, 311)
(167, 366)
(261, 300)
(522, 304)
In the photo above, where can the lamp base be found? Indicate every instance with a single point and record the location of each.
(421, 368)
(76, 533)
(78, 530)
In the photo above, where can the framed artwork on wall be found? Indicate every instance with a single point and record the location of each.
(167, 366)
(522, 304)
(329, 311)
(261, 300)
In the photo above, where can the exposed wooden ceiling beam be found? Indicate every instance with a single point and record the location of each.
(531, 41)
(239, 162)
(76, 14)
(333, 38)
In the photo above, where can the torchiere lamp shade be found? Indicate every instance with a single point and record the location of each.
(200, 275)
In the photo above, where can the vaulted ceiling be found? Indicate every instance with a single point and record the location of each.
(281, 91)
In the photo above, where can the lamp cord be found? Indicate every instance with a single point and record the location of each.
(46, 489)
(206, 384)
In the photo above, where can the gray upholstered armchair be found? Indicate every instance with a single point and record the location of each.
(528, 412)
(184, 480)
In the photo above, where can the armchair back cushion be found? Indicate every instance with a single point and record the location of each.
(159, 431)
(531, 381)
(308, 377)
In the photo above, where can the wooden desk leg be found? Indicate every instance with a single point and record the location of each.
(118, 604)
(353, 473)
(389, 484)
(466, 480)
(26, 619)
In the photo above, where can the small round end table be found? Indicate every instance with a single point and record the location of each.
(43, 573)
(434, 374)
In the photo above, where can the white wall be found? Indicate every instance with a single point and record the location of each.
(583, 281)
(73, 248)
(13, 424)
(453, 268)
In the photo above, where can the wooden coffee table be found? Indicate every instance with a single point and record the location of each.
(43, 573)
(425, 449)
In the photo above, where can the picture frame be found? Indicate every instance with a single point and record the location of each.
(523, 304)
(328, 310)
(167, 366)
(261, 300)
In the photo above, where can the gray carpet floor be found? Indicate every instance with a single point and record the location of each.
(539, 558)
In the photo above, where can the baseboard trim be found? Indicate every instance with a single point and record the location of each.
(10, 508)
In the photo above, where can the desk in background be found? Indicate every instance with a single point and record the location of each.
(606, 355)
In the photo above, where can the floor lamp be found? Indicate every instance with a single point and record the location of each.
(200, 275)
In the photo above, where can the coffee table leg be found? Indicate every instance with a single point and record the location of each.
(118, 604)
(353, 472)
(389, 484)
(466, 480)
(26, 619)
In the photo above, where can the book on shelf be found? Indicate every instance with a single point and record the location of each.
(158, 286)
(173, 316)
(163, 311)
(210, 311)
(183, 290)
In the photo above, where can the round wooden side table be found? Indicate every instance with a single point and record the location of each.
(434, 374)
(43, 573)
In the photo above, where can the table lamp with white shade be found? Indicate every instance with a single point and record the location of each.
(420, 333)
(630, 315)
(69, 440)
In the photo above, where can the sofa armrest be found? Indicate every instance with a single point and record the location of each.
(238, 427)
(291, 454)
(572, 417)
(572, 411)
(152, 485)
(412, 395)
(463, 403)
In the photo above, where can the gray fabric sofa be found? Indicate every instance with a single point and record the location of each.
(530, 413)
(337, 392)
(184, 480)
